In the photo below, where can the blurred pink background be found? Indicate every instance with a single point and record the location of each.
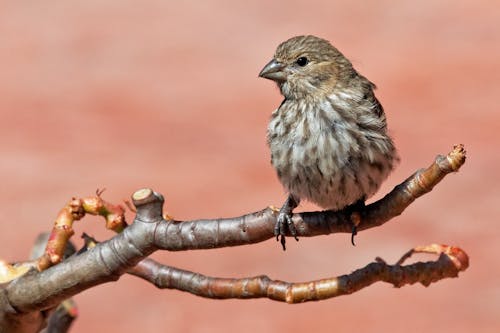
(163, 94)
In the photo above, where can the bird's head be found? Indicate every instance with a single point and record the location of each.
(306, 66)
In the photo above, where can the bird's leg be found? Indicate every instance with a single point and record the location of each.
(355, 216)
(284, 220)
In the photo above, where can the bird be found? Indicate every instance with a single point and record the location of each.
(328, 138)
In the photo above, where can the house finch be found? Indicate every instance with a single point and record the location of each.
(328, 138)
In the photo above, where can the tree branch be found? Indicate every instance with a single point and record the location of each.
(451, 261)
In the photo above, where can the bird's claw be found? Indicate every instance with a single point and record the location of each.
(284, 222)
(354, 232)
(356, 219)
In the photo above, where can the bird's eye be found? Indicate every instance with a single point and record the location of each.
(302, 61)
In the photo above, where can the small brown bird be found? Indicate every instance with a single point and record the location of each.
(328, 138)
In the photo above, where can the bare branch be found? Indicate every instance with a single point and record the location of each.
(451, 261)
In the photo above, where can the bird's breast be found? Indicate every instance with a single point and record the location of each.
(307, 134)
(321, 156)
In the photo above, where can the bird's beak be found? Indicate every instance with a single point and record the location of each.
(273, 71)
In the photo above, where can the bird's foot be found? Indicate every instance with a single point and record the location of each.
(284, 222)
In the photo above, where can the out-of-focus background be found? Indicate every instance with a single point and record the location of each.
(163, 94)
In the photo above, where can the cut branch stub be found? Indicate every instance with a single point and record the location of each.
(149, 205)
